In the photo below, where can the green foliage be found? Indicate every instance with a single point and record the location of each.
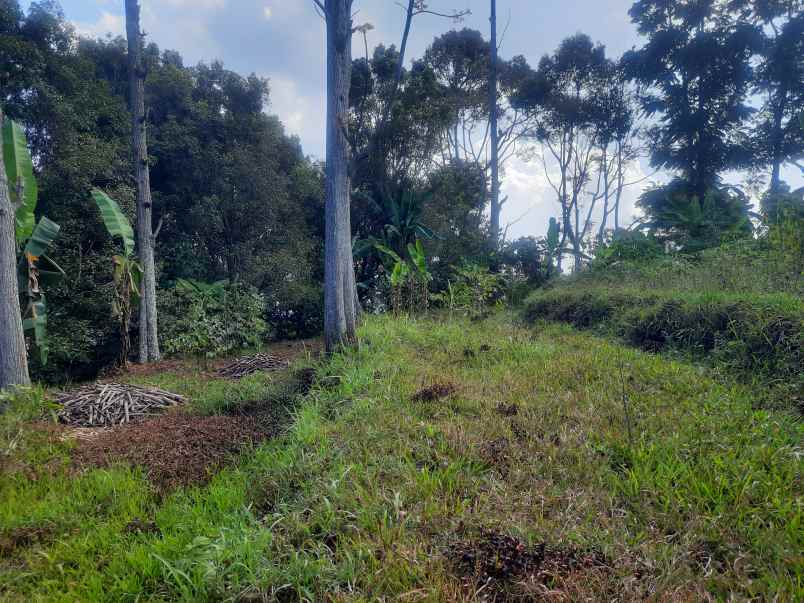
(631, 246)
(209, 320)
(21, 182)
(69, 95)
(677, 214)
(472, 288)
(408, 278)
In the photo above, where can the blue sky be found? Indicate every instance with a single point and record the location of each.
(283, 40)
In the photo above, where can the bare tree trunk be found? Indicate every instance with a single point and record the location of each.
(13, 356)
(494, 141)
(340, 312)
(149, 338)
(776, 143)
(601, 233)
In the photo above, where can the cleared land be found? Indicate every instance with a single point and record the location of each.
(441, 461)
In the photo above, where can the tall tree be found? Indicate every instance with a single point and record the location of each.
(494, 162)
(779, 79)
(564, 99)
(146, 238)
(340, 294)
(694, 73)
(13, 356)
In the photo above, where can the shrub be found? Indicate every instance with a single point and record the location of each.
(472, 288)
(211, 320)
(632, 246)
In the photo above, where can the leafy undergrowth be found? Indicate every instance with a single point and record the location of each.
(519, 483)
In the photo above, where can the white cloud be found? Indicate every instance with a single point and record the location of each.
(301, 115)
(107, 23)
(532, 200)
(195, 4)
(267, 13)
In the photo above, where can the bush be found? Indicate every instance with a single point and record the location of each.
(632, 246)
(298, 312)
(472, 288)
(211, 320)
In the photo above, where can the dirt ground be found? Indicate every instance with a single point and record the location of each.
(175, 449)
(284, 350)
(503, 568)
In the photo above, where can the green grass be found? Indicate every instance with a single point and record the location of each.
(755, 337)
(361, 497)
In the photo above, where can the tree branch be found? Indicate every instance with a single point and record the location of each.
(158, 227)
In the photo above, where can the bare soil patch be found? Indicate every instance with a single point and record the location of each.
(176, 450)
(436, 391)
(507, 410)
(506, 569)
(497, 454)
(139, 526)
(14, 539)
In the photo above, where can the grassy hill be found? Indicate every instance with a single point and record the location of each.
(439, 461)
(735, 308)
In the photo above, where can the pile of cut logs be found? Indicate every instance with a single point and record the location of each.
(252, 364)
(106, 404)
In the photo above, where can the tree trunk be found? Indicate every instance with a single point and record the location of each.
(13, 356)
(601, 233)
(149, 338)
(776, 143)
(494, 131)
(340, 311)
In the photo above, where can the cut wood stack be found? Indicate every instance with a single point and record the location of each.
(252, 364)
(106, 404)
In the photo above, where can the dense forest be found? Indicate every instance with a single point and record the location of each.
(243, 373)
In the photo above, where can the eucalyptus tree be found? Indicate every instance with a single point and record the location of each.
(13, 355)
(146, 237)
(340, 293)
(562, 98)
(494, 161)
(485, 125)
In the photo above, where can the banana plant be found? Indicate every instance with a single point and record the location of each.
(35, 268)
(127, 271)
(411, 274)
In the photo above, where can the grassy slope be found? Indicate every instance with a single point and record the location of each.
(362, 496)
(738, 307)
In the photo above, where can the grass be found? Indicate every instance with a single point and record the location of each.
(711, 309)
(367, 490)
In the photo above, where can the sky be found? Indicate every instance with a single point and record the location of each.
(284, 41)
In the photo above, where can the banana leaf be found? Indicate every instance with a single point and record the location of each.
(37, 322)
(416, 253)
(42, 237)
(389, 252)
(35, 267)
(115, 220)
(19, 171)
